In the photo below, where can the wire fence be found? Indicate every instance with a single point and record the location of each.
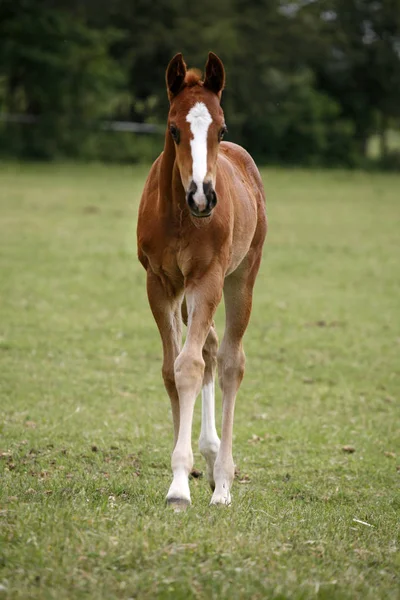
(120, 126)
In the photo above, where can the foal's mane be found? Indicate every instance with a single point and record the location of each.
(192, 78)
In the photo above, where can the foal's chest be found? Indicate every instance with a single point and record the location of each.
(162, 255)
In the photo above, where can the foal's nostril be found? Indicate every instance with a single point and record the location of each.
(191, 202)
(207, 188)
(191, 192)
(212, 200)
(192, 188)
(210, 194)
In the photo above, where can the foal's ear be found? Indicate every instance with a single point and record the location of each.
(215, 74)
(175, 75)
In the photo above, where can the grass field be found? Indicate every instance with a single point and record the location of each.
(86, 432)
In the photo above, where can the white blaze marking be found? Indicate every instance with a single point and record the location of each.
(200, 120)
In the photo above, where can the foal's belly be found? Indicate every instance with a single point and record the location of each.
(244, 227)
(239, 253)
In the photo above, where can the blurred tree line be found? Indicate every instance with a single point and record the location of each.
(308, 81)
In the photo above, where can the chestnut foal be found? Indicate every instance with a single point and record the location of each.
(201, 229)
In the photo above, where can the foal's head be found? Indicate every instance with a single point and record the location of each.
(196, 124)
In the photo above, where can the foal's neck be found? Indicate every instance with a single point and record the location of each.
(172, 194)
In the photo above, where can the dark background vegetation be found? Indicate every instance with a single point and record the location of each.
(308, 82)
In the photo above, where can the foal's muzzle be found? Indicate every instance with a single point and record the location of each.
(201, 203)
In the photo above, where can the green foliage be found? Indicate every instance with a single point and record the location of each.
(111, 146)
(58, 70)
(307, 82)
(85, 423)
(359, 61)
(299, 124)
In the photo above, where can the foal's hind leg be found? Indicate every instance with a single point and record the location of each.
(238, 290)
(209, 441)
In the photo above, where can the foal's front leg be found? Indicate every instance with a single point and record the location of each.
(202, 300)
(166, 309)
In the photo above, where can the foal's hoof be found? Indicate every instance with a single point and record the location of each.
(220, 499)
(178, 504)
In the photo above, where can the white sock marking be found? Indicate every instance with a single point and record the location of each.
(200, 120)
(209, 440)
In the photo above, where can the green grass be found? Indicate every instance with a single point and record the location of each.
(85, 427)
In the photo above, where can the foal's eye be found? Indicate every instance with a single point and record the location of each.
(175, 133)
(222, 132)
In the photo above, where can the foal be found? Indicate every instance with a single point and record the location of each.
(201, 229)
